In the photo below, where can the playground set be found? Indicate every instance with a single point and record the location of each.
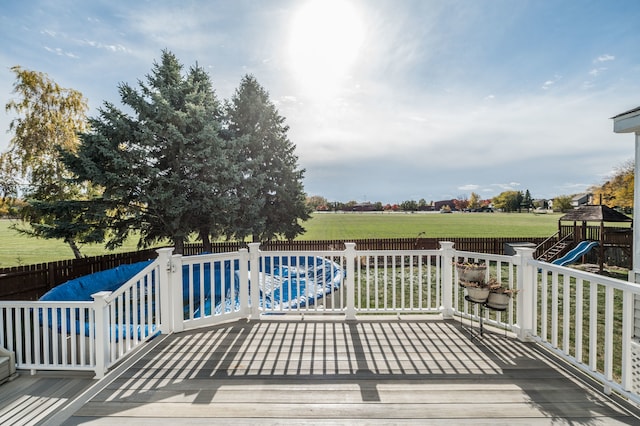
(588, 228)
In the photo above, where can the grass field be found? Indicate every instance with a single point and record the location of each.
(16, 249)
(329, 226)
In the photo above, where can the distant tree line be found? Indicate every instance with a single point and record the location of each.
(173, 163)
(616, 192)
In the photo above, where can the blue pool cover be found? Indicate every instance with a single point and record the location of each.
(285, 282)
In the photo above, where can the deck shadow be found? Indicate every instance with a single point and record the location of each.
(420, 365)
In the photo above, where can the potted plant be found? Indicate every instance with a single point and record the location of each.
(471, 272)
(476, 292)
(499, 296)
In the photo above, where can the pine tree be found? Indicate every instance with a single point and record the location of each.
(527, 201)
(271, 193)
(165, 169)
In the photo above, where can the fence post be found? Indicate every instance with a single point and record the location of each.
(350, 258)
(525, 300)
(244, 282)
(446, 248)
(176, 311)
(164, 284)
(254, 279)
(102, 340)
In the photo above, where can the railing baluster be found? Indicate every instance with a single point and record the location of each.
(578, 319)
(593, 326)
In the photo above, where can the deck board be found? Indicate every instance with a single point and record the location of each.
(32, 399)
(335, 372)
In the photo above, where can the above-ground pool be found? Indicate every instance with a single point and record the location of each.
(288, 282)
(285, 282)
(80, 290)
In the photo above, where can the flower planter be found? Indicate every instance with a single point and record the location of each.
(472, 273)
(498, 300)
(478, 294)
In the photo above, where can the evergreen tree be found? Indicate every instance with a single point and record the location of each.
(165, 169)
(527, 201)
(271, 195)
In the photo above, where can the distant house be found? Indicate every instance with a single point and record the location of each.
(543, 203)
(438, 205)
(581, 200)
(364, 207)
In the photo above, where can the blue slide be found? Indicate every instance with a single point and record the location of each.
(581, 249)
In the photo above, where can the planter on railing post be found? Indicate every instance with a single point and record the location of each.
(164, 281)
(102, 339)
(525, 299)
(244, 282)
(254, 279)
(350, 258)
(446, 247)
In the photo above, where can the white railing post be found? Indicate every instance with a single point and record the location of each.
(446, 248)
(350, 258)
(525, 298)
(627, 335)
(244, 282)
(254, 279)
(164, 285)
(102, 339)
(176, 312)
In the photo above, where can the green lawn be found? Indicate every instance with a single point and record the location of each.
(16, 249)
(329, 226)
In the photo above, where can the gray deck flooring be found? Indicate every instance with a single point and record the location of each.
(32, 399)
(317, 371)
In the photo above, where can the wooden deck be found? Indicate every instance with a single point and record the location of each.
(318, 371)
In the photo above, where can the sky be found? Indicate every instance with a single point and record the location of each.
(386, 100)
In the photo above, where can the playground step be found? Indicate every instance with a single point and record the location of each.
(554, 252)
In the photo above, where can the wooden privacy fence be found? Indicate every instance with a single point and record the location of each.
(479, 245)
(30, 282)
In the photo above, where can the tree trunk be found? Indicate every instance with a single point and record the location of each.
(74, 247)
(206, 242)
(178, 243)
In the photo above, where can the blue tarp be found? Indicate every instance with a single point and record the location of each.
(287, 281)
(290, 282)
(81, 289)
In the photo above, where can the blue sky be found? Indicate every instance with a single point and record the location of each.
(387, 100)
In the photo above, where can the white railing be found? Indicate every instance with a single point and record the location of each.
(84, 336)
(209, 288)
(585, 318)
(49, 335)
(129, 316)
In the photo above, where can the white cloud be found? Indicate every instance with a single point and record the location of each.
(61, 52)
(550, 83)
(110, 47)
(469, 187)
(596, 71)
(605, 58)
